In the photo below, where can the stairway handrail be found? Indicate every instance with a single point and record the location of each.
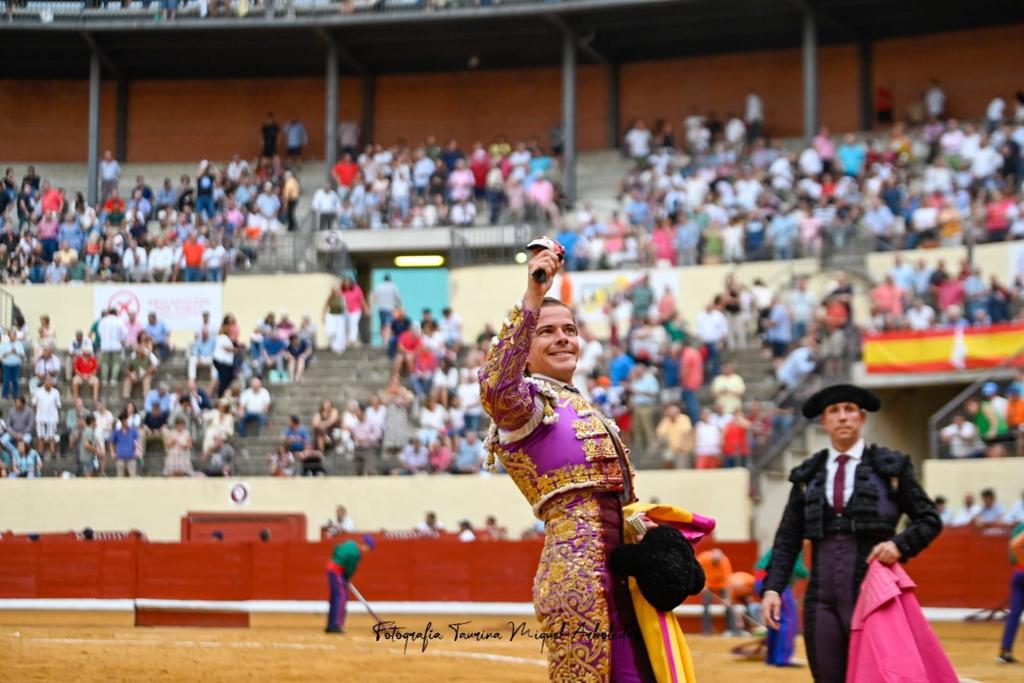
(958, 400)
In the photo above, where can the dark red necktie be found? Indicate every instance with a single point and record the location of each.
(839, 484)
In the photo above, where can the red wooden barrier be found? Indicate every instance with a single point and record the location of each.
(196, 571)
(242, 526)
(963, 568)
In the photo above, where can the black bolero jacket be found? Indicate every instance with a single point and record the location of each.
(885, 488)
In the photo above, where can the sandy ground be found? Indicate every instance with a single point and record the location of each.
(94, 647)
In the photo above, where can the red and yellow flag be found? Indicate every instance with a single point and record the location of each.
(942, 350)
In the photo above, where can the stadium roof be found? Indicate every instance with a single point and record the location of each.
(503, 36)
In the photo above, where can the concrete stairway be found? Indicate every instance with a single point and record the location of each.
(598, 175)
(357, 374)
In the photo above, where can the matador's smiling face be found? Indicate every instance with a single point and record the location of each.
(556, 344)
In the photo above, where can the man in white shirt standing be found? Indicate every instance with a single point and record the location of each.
(754, 117)
(935, 100)
(46, 400)
(994, 113)
(113, 335)
(847, 500)
(712, 329)
(450, 325)
(386, 299)
(110, 174)
(638, 142)
(327, 205)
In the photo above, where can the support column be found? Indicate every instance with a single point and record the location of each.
(810, 54)
(569, 116)
(92, 191)
(331, 112)
(121, 131)
(867, 86)
(369, 87)
(613, 106)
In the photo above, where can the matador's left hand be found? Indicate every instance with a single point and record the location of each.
(885, 552)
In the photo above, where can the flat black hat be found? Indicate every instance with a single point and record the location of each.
(840, 393)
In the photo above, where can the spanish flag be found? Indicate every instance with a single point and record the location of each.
(942, 350)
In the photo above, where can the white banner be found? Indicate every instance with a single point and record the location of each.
(1016, 263)
(600, 295)
(179, 306)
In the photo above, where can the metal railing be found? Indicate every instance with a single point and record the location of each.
(955, 403)
(491, 243)
(7, 308)
(794, 398)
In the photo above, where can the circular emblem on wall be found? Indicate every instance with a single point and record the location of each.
(124, 302)
(239, 494)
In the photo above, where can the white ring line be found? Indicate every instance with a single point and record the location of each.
(243, 645)
(469, 655)
(206, 644)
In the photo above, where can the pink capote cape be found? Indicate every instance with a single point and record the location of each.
(890, 640)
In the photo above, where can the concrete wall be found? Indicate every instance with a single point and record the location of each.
(953, 479)
(486, 293)
(1003, 260)
(188, 120)
(249, 297)
(155, 506)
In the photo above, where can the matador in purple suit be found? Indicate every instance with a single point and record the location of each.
(568, 461)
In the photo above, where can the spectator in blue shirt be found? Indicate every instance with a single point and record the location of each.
(780, 329)
(620, 367)
(782, 232)
(274, 354)
(71, 232)
(160, 396)
(296, 437)
(637, 210)
(798, 366)
(158, 331)
(125, 441)
(902, 273)
(851, 156)
(12, 355)
(167, 197)
(470, 455)
(568, 237)
(670, 389)
(202, 352)
(687, 241)
(27, 464)
(299, 352)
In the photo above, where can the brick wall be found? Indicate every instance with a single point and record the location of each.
(185, 120)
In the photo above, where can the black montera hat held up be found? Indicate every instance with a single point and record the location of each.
(840, 393)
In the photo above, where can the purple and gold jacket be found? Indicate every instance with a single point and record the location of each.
(549, 438)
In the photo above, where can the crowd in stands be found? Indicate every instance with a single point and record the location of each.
(989, 424)
(722, 193)
(920, 297)
(989, 512)
(429, 185)
(195, 231)
(168, 9)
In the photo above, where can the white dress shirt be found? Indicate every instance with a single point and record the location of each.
(856, 452)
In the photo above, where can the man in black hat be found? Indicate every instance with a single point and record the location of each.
(847, 500)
